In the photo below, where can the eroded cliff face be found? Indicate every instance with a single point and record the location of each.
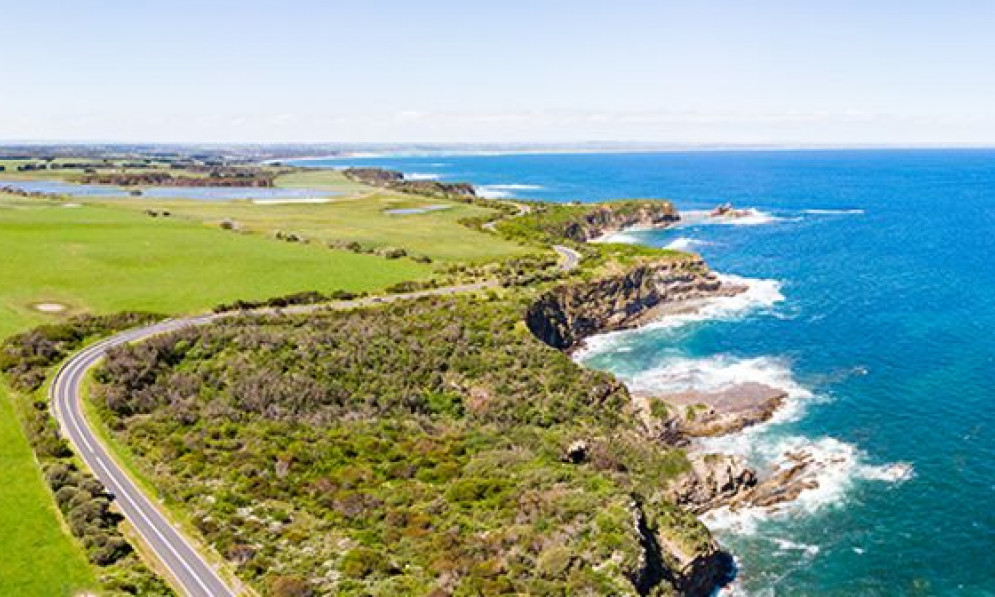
(615, 217)
(395, 181)
(567, 315)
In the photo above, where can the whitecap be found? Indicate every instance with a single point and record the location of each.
(720, 372)
(420, 176)
(714, 373)
(489, 193)
(503, 191)
(760, 294)
(624, 237)
(684, 243)
(752, 217)
(515, 187)
(786, 545)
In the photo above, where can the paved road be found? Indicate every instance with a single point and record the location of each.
(522, 210)
(569, 259)
(194, 574)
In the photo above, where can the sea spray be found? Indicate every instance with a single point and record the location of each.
(750, 217)
(503, 191)
(684, 243)
(420, 176)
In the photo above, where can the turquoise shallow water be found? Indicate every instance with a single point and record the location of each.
(884, 335)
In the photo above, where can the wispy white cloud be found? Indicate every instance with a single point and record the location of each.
(678, 126)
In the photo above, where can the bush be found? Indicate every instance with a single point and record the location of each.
(26, 358)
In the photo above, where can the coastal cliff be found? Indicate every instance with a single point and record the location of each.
(395, 181)
(614, 217)
(566, 315)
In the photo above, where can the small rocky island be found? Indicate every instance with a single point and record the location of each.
(726, 210)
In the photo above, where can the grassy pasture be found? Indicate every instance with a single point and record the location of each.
(38, 557)
(362, 218)
(103, 259)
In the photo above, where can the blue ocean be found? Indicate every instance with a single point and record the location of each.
(871, 302)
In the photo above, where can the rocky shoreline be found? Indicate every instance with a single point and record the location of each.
(570, 314)
(566, 316)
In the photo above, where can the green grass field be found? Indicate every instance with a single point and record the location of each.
(361, 218)
(102, 259)
(105, 259)
(38, 556)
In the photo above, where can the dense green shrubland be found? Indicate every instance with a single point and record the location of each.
(412, 447)
(25, 359)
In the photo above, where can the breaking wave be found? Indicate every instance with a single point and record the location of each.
(686, 244)
(834, 470)
(420, 176)
(751, 217)
(503, 191)
(760, 295)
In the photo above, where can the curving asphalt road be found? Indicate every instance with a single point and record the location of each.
(195, 576)
(569, 259)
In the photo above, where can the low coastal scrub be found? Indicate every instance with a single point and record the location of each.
(525, 270)
(578, 223)
(421, 447)
(307, 297)
(25, 359)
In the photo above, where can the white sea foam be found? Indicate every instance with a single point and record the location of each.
(835, 468)
(488, 193)
(752, 217)
(515, 187)
(503, 191)
(718, 372)
(686, 244)
(786, 545)
(625, 237)
(761, 294)
(420, 176)
(830, 212)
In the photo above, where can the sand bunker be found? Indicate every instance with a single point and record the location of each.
(50, 307)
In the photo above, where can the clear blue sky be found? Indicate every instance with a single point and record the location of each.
(690, 71)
